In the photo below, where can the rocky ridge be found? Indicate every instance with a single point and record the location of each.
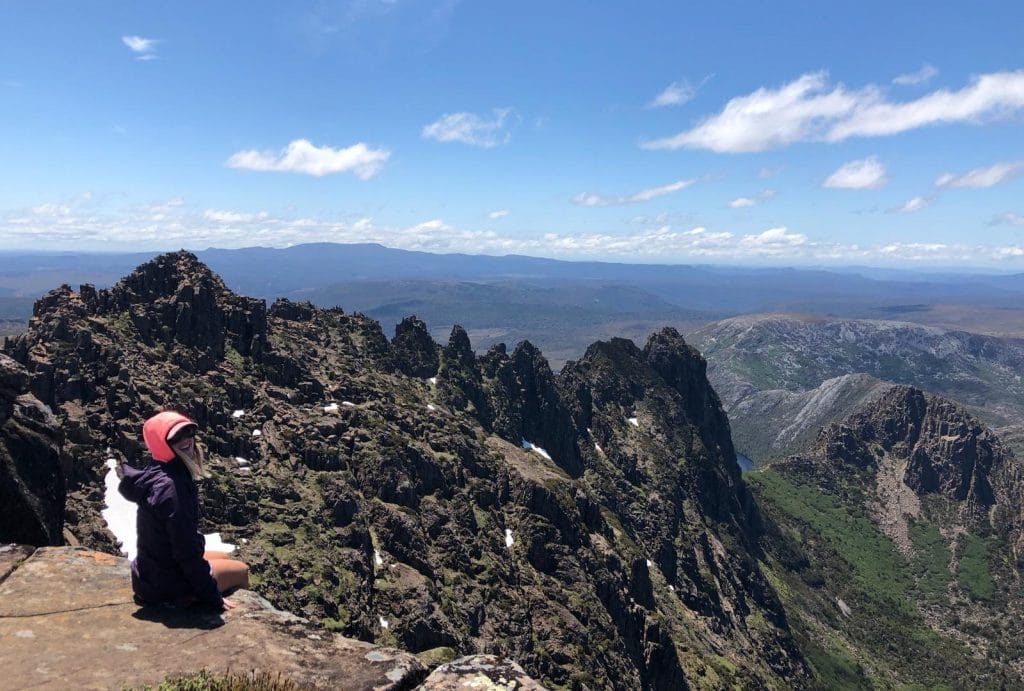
(591, 525)
(772, 367)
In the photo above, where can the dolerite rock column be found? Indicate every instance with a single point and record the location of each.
(31, 469)
(413, 349)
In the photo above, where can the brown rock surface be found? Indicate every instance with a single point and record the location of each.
(483, 672)
(67, 620)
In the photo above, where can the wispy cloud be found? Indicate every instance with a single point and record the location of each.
(500, 213)
(472, 129)
(913, 204)
(747, 202)
(766, 172)
(1011, 218)
(982, 177)
(301, 156)
(922, 76)
(144, 48)
(171, 224)
(809, 109)
(675, 94)
(589, 199)
(865, 174)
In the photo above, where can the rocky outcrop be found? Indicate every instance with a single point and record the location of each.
(479, 672)
(32, 465)
(413, 350)
(82, 630)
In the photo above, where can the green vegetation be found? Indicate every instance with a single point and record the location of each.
(833, 667)
(231, 681)
(973, 573)
(877, 567)
(931, 561)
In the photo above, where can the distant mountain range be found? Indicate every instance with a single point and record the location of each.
(559, 306)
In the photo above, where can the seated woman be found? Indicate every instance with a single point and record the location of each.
(172, 565)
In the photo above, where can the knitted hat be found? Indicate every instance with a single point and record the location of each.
(161, 427)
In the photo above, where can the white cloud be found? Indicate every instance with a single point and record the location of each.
(920, 77)
(144, 48)
(809, 109)
(865, 174)
(78, 223)
(1011, 218)
(233, 216)
(500, 213)
(470, 128)
(766, 172)
(913, 204)
(747, 202)
(589, 199)
(675, 94)
(301, 156)
(982, 177)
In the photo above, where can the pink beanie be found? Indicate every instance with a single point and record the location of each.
(159, 428)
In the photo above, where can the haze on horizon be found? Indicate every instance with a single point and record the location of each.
(648, 133)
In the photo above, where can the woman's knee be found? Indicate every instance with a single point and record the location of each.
(230, 573)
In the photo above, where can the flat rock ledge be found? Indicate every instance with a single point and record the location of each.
(67, 620)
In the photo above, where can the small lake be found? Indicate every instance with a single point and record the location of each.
(744, 463)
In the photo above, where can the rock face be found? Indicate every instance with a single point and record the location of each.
(32, 468)
(82, 630)
(591, 526)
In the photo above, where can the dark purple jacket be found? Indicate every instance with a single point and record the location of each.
(170, 563)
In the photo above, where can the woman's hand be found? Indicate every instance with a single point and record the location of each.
(228, 605)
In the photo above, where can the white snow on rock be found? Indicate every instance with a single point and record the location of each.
(672, 589)
(533, 447)
(649, 563)
(241, 461)
(633, 421)
(348, 404)
(843, 607)
(432, 380)
(120, 517)
(377, 559)
(257, 433)
(598, 447)
(331, 408)
(509, 540)
(237, 414)
(214, 543)
(431, 407)
(383, 622)
(119, 512)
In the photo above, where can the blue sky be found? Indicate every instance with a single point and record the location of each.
(756, 133)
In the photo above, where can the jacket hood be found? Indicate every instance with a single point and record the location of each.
(135, 484)
(156, 430)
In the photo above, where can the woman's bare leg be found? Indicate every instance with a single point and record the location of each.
(229, 573)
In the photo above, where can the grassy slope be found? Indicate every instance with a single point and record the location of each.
(825, 550)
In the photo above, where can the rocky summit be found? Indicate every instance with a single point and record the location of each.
(590, 525)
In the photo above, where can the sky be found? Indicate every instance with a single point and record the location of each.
(784, 133)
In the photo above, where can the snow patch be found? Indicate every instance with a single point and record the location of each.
(672, 589)
(633, 421)
(533, 447)
(119, 513)
(432, 380)
(348, 404)
(509, 540)
(843, 607)
(598, 447)
(383, 622)
(377, 559)
(650, 563)
(331, 408)
(431, 407)
(237, 414)
(257, 433)
(214, 543)
(241, 461)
